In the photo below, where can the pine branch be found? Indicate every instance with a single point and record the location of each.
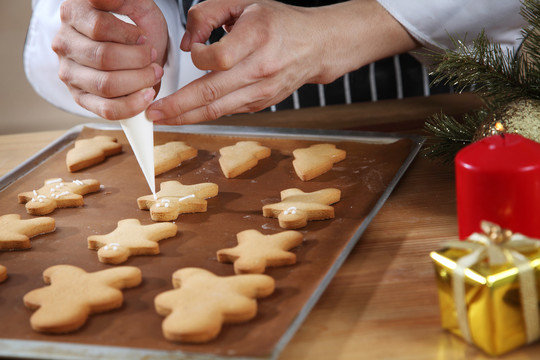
(499, 75)
(448, 135)
(531, 45)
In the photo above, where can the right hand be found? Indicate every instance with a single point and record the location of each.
(111, 68)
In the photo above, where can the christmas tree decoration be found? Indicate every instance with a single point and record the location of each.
(507, 81)
(487, 287)
(518, 117)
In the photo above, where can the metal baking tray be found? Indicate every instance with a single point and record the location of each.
(55, 347)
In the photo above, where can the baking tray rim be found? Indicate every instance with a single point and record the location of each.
(35, 349)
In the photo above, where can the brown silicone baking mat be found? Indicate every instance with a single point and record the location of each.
(373, 166)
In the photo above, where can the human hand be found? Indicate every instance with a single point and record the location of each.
(111, 67)
(270, 50)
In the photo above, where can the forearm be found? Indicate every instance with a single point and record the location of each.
(353, 34)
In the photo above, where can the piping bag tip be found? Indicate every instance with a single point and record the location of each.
(140, 134)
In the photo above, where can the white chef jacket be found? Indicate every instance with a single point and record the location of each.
(429, 21)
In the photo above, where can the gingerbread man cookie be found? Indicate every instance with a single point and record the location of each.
(174, 199)
(256, 251)
(74, 294)
(3, 273)
(170, 155)
(202, 302)
(56, 193)
(297, 207)
(130, 238)
(88, 152)
(241, 157)
(15, 233)
(316, 160)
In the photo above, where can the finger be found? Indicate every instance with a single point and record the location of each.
(101, 55)
(199, 92)
(109, 84)
(117, 108)
(98, 25)
(232, 48)
(252, 98)
(206, 16)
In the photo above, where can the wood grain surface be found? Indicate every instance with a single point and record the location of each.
(382, 304)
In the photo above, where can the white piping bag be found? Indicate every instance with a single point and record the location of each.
(140, 134)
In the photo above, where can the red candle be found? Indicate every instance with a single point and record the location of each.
(498, 180)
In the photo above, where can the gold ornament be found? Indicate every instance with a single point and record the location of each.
(518, 117)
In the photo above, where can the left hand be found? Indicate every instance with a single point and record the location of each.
(257, 64)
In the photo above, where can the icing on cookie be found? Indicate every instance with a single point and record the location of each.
(130, 238)
(56, 193)
(297, 207)
(174, 199)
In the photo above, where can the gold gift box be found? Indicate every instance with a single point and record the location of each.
(492, 297)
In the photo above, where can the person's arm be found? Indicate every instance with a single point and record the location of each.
(433, 23)
(271, 49)
(42, 64)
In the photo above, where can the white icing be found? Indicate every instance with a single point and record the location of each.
(290, 211)
(112, 246)
(51, 181)
(186, 197)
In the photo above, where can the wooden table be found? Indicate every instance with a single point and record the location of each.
(382, 304)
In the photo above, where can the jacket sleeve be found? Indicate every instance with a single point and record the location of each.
(433, 22)
(41, 63)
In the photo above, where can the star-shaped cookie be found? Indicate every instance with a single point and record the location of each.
(297, 207)
(316, 160)
(74, 294)
(241, 157)
(202, 302)
(174, 199)
(15, 233)
(56, 193)
(88, 152)
(170, 155)
(256, 251)
(130, 238)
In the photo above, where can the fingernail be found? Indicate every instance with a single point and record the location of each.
(154, 54)
(148, 94)
(158, 71)
(141, 40)
(185, 40)
(155, 115)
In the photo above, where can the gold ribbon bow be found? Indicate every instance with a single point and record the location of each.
(499, 246)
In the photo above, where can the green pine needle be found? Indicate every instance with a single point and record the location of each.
(498, 76)
(447, 135)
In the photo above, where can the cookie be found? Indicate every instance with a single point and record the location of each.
(73, 295)
(170, 155)
(297, 207)
(130, 238)
(241, 157)
(202, 302)
(316, 160)
(56, 193)
(3, 273)
(256, 251)
(89, 152)
(174, 199)
(15, 233)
